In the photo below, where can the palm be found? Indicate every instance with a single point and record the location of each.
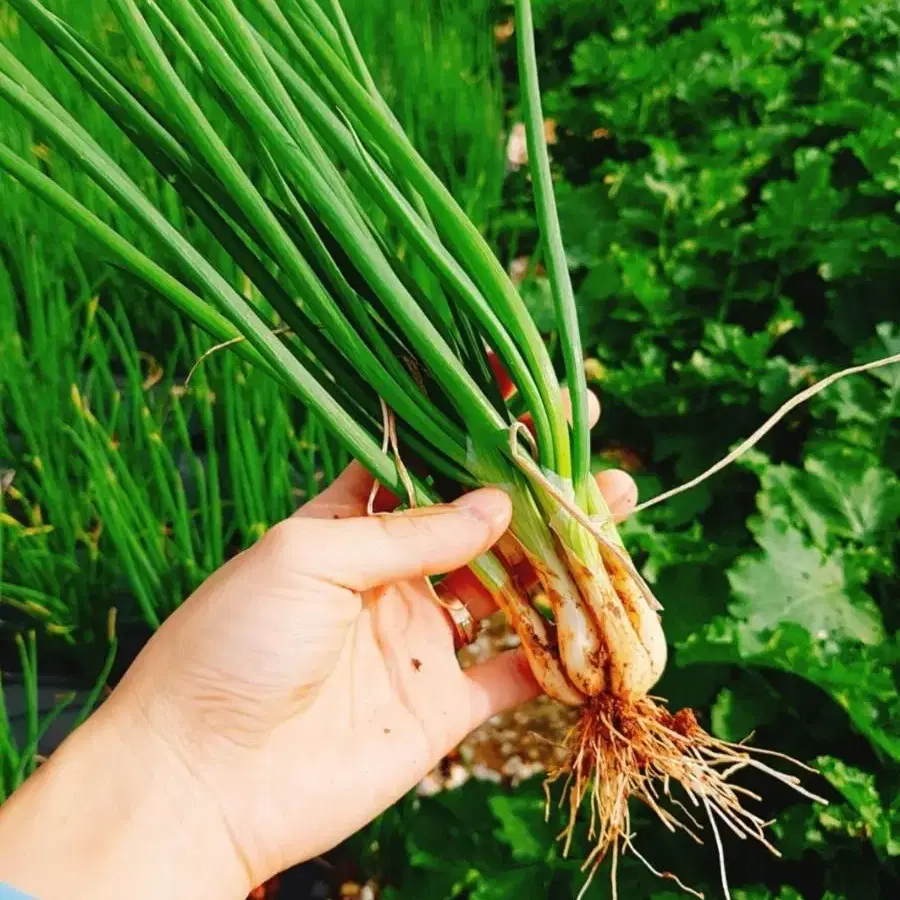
(394, 704)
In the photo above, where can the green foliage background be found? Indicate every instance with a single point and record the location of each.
(729, 181)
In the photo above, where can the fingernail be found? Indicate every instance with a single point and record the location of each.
(491, 505)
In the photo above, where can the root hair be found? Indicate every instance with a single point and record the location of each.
(636, 748)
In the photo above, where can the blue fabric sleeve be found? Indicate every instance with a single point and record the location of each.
(7, 893)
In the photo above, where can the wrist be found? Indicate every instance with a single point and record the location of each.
(112, 814)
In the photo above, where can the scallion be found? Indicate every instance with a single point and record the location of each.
(351, 325)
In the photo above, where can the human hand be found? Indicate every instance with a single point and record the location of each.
(303, 688)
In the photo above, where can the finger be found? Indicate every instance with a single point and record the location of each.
(593, 404)
(620, 492)
(365, 552)
(347, 496)
(462, 585)
(501, 683)
(593, 409)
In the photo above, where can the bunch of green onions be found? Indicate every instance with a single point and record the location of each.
(373, 292)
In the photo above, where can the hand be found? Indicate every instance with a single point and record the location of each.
(301, 690)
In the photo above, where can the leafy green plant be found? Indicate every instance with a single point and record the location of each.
(727, 178)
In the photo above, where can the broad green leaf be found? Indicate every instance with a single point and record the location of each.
(874, 821)
(461, 818)
(530, 883)
(692, 595)
(522, 825)
(858, 678)
(791, 582)
(743, 707)
(836, 496)
(863, 502)
(761, 893)
(538, 298)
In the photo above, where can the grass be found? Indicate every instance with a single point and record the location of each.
(25, 722)
(434, 61)
(130, 488)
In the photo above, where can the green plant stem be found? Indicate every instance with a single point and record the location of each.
(358, 241)
(136, 262)
(557, 264)
(248, 322)
(460, 234)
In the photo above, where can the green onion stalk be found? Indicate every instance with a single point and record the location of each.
(312, 213)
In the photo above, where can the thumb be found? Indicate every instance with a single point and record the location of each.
(367, 552)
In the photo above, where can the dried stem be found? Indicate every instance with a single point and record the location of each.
(385, 444)
(390, 440)
(223, 346)
(766, 427)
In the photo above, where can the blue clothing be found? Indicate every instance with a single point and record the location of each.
(7, 893)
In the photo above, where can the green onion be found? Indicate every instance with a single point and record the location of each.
(371, 290)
